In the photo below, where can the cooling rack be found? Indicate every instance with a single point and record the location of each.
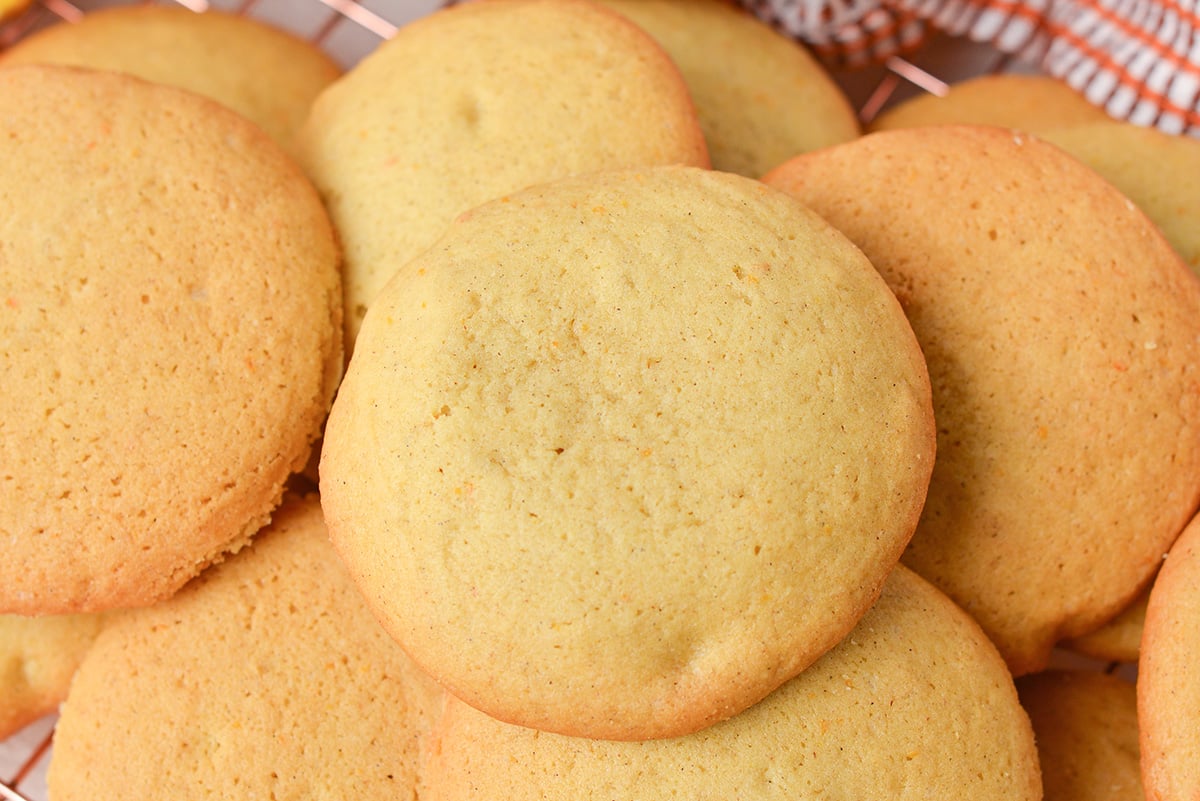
(348, 31)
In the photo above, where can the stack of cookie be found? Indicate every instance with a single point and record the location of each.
(681, 446)
(1049, 376)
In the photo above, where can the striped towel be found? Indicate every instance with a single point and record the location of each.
(1137, 59)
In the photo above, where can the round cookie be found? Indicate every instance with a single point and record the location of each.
(266, 74)
(1168, 689)
(38, 657)
(914, 704)
(763, 99)
(1031, 103)
(1085, 725)
(478, 100)
(1157, 171)
(169, 335)
(1063, 343)
(624, 473)
(267, 677)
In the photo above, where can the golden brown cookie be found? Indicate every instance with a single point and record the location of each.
(38, 657)
(762, 98)
(1062, 335)
(478, 100)
(264, 73)
(1157, 171)
(627, 471)
(1031, 103)
(914, 704)
(169, 335)
(1085, 723)
(266, 677)
(1168, 689)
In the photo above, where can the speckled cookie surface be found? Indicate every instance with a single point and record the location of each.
(626, 472)
(1085, 725)
(1063, 341)
(762, 98)
(267, 677)
(1168, 690)
(169, 335)
(914, 704)
(1157, 171)
(476, 101)
(269, 76)
(1028, 103)
(38, 657)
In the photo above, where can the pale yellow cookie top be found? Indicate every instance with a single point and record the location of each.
(620, 454)
(1157, 171)
(169, 335)
(267, 677)
(914, 704)
(1168, 687)
(1063, 341)
(1085, 725)
(262, 72)
(38, 657)
(478, 100)
(762, 98)
(1029, 103)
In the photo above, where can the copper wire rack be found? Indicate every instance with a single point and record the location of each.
(348, 31)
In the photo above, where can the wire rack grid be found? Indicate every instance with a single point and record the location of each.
(348, 30)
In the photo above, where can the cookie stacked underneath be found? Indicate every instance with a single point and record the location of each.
(1062, 334)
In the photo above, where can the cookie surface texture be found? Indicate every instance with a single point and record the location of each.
(267, 677)
(1168, 689)
(1030, 103)
(478, 100)
(1157, 171)
(763, 100)
(169, 335)
(1085, 725)
(38, 657)
(1062, 340)
(914, 704)
(269, 76)
(625, 472)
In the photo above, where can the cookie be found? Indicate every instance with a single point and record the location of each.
(763, 99)
(914, 704)
(169, 335)
(1118, 640)
(1085, 724)
(266, 74)
(478, 100)
(38, 657)
(1157, 171)
(1168, 692)
(622, 474)
(1062, 335)
(1030, 103)
(264, 678)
